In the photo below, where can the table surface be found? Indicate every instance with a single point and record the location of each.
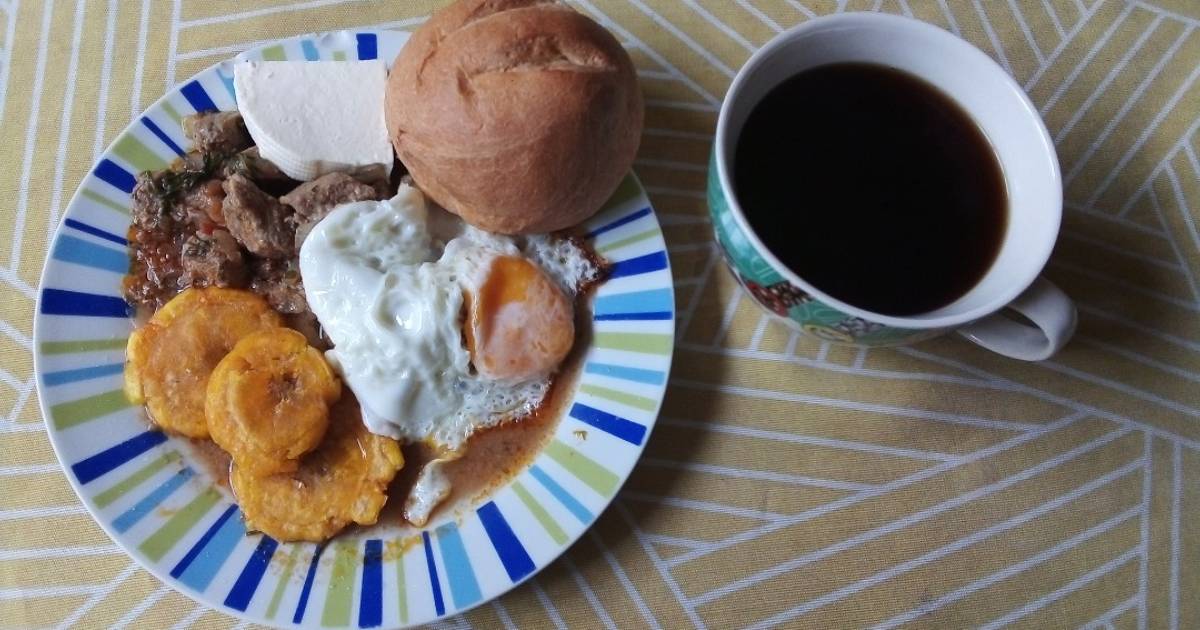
(789, 482)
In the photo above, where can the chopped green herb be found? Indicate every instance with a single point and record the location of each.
(169, 184)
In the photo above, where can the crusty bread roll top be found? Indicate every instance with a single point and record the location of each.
(519, 116)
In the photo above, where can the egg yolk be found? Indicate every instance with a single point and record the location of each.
(519, 324)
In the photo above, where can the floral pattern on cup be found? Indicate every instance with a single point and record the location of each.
(779, 298)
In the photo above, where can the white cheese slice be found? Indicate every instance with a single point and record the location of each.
(315, 117)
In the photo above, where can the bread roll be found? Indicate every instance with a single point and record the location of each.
(520, 116)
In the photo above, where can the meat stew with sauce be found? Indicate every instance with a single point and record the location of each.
(223, 216)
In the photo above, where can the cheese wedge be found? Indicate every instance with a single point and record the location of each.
(315, 117)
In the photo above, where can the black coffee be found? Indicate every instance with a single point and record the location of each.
(872, 185)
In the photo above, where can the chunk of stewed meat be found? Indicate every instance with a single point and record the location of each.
(253, 165)
(302, 231)
(202, 205)
(149, 208)
(194, 161)
(313, 200)
(213, 259)
(187, 193)
(378, 178)
(257, 220)
(278, 281)
(220, 132)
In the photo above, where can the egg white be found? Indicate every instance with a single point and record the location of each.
(386, 281)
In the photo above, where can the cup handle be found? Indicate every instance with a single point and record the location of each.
(1050, 310)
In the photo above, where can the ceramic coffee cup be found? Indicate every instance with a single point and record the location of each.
(1023, 148)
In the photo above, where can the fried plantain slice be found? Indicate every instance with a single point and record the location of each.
(268, 400)
(168, 361)
(345, 480)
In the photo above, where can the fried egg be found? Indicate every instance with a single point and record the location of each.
(439, 328)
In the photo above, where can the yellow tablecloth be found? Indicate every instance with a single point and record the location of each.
(788, 482)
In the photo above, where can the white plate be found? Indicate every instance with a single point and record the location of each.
(171, 516)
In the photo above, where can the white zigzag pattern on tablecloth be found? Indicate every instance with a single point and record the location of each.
(1067, 31)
